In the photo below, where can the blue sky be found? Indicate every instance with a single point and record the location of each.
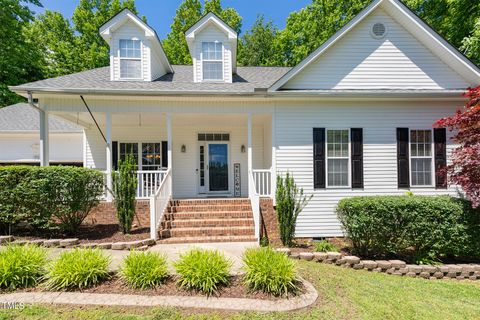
(160, 13)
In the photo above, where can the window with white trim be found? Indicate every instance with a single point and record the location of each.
(338, 158)
(150, 153)
(130, 59)
(212, 60)
(421, 158)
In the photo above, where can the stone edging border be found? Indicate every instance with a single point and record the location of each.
(234, 304)
(395, 267)
(139, 245)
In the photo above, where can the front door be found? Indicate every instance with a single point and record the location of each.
(213, 175)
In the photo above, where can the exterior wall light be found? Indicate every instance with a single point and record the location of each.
(242, 148)
(183, 148)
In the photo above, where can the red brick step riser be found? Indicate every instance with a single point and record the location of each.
(207, 231)
(197, 202)
(208, 215)
(208, 239)
(198, 208)
(202, 223)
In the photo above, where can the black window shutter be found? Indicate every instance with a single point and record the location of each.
(403, 166)
(357, 157)
(164, 154)
(440, 139)
(319, 158)
(115, 155)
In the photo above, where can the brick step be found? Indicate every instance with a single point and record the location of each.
(194, 202)
(208, 239)
(207, 231)
(197, 208)
(202, 223)
(208, 215)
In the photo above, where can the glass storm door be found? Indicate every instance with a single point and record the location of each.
(217, 167)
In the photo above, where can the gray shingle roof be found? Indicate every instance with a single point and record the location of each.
(244, 81)
(23, 118)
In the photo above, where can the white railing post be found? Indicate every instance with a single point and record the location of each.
(273, 168)
(169, 146)
(153, 219)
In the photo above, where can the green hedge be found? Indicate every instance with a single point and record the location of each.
(46, 197)
(419, 228)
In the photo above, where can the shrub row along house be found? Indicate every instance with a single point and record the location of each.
(354, 118)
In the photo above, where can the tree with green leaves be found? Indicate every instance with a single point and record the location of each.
(18, 61)
(258, 46)
(55, 39)
(187, 14)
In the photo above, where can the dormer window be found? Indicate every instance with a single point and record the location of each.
(130, 59)
(212, 61)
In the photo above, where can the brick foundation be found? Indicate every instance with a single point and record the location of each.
(269, 222)
(106, 213)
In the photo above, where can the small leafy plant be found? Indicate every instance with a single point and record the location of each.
(290, 202)
(269, 271)
(124, 192)
(78, 268)
(21, 266)
(203, 270)
(144, 269)
(325, 246)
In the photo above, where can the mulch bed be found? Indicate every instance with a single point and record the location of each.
(97, 233)
(236, 289)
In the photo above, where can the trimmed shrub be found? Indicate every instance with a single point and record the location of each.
(203, 270)
(290, 202)
(125, 191)
(21, 266)
(144, 269)
(420, 228)
(324, 246)
(78, 268)
(269, 271)
(45, 196)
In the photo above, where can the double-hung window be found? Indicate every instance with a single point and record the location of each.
(147, 155)
(421, 158)
(130, 59)
(212, 61)
(338, 158)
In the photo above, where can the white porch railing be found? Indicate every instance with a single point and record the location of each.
(255, 203)
(149, 182)
(263, 182)
(159, 201)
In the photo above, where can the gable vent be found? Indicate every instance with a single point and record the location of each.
(379, 30)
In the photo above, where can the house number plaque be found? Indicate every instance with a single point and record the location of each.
(237, 189)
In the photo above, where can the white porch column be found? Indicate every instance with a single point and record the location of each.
(169, 146)
(108, 137)
(249, 154)
(44, 139)
(274, 158)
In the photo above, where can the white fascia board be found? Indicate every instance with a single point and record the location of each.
(207, 19)
(327, 44)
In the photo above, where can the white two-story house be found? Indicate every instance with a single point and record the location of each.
(354, 118)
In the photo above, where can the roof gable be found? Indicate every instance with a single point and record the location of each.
(413, 57)
(210, 19)
(126, 16)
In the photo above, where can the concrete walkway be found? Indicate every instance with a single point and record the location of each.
(236, 304)
(232, 250)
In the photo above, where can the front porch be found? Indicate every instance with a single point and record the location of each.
(184, 156)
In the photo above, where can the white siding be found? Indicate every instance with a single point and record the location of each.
(379, 120)
(25, 147)
(131, 31)
(209, 34)
(358, 61)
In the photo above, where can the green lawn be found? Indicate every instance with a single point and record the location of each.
(343, 294)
